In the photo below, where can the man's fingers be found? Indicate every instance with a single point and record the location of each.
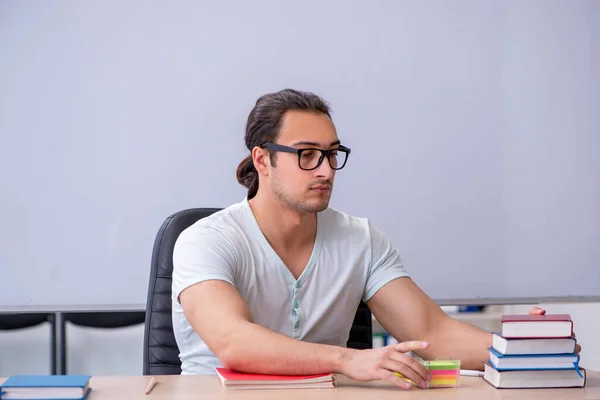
(405, 371)
(395, 379)
(411, 363)
(535, 310)
(577, 349)
(415, 370)
(415, 345)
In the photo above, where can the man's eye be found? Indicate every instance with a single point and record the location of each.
(308, 154)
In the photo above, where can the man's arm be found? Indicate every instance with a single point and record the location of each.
(220, 316)
(407, 313)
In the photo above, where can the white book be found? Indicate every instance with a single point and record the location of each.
(534, 378)
(537, 326)
(533, 346)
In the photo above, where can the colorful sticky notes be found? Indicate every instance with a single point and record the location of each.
(444, 373)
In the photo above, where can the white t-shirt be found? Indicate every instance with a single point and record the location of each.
(351, 260)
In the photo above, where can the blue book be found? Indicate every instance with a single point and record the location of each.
(532, 361)
(34, 387)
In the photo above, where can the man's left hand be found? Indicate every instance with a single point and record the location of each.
(535, 310)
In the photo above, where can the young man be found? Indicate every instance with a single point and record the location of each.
(271, 284)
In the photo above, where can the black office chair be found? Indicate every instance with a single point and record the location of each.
(161, 354)
(9, 322)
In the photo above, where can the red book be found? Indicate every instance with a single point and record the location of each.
(537, 326)
(242, 380)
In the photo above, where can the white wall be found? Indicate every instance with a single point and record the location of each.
(119, 351)
(112, 111)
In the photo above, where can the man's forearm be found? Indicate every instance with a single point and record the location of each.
(260, 350)
(457, 340)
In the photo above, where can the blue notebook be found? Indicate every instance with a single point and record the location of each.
(34, 387)
(503, 362)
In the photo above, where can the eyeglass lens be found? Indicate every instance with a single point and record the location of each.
(309, 159)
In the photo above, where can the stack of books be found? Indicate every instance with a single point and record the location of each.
(534, 351)
(240, 380)
(34, 387)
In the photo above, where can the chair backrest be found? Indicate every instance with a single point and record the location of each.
(11, 322)
(361, 333)
(95, 319)
(105, 319)
(161, 354)
(22, 321)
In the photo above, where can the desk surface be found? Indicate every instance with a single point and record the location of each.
(209, 387)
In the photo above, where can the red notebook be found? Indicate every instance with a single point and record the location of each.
(241, 380)
(537, 326)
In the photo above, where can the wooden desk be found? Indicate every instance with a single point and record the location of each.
(209, 387)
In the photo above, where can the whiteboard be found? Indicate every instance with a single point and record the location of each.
(473, 125)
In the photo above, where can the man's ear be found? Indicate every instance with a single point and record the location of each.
(261, 160)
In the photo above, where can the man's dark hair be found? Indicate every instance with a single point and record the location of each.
(264, 123)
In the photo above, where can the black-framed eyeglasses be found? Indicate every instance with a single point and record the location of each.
(311, 158)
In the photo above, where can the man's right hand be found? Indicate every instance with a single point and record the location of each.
(381, 363)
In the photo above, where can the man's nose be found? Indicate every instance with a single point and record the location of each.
(324, 170)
